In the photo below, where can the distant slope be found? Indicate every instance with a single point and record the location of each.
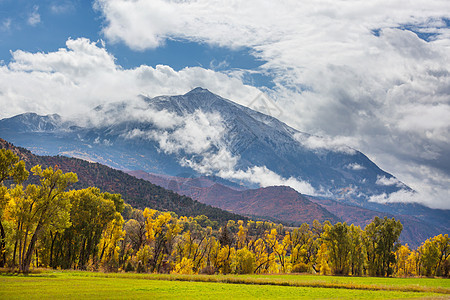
(286, 205)
(415, 231)
(136, 192)
(275, 202)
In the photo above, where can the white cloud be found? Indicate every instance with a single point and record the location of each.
(265, 177)
(194, 133)
(197, 140)
(34, 17)
(62, 7)
(134, 109)
(6, 24)
(336, 144)
(343, 69)
(355, 167)
(399, 196)
(82, 75)
(383, 180)
(348, 70)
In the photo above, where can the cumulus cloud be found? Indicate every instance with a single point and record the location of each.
(83, 75)
(376, 73)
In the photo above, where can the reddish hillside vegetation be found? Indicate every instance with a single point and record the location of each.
(275, 202)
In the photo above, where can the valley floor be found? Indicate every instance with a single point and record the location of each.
(90, 285)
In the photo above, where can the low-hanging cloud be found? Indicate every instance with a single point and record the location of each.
(265, 177)
(194, 133)
(355, 167)
(385, 181)
(336, 144)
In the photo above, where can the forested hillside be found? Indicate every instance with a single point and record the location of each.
(136, 192)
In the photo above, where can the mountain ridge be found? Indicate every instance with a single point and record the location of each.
(277, 202)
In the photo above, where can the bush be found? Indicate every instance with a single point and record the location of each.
(129, 267)
(300, 268)
(140, 267)
(209, 270)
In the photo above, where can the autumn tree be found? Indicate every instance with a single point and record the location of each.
(434, 254)
(10, 168)
(303, 248)
(380, 241)
(337, 239)
(161, 231)
(401, 256)
(44, 204)
(357, 257)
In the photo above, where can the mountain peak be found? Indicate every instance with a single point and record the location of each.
(198, 90)
(32, 122)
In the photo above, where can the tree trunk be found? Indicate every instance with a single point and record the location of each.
(2, 246)
(51, 248)
(25, 266)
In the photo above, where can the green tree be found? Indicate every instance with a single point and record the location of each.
(337, 239)
(90, 213)
(10, 168)
(243, 261)
(357, 251)
(45, 204)
(434, 253)
(380, 239)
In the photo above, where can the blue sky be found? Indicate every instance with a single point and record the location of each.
(59, 20)
(369, 74)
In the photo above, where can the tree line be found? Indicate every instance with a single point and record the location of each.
(47, 225)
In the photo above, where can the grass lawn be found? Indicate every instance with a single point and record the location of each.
(88, 285)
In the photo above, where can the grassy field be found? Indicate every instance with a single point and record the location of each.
(78, 285)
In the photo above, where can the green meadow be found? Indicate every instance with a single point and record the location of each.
(90, 285)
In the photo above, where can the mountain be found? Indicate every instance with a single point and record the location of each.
(275, 202)
(136, 192)
(201, 133)
(153, 134)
